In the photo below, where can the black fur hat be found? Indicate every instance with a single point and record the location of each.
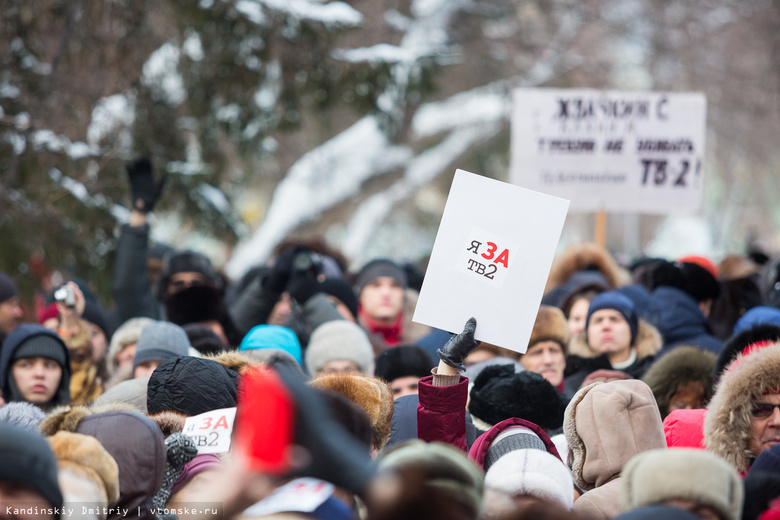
(403, 361)
(194, 304)
(688, 277)
(734, 346)
(499, 394)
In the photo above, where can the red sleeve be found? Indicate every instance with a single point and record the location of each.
(441, 412)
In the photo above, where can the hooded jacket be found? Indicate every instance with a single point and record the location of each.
(728, 423)
(679, 320)
(606, 424)
(16, 339)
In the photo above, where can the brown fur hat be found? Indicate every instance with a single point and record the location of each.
(586, 256)
(67, 418)
(170, 422)
(728, 422)
(550, 325)
(236, 361)
(372, 395)
(680, 366)
(648, 342)
(86, 457)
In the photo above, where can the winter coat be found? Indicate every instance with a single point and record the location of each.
(131, 288)
(85, 383)
(441, 412)
(678, 318)
(583, 360)
(685, 428)
(12, 342)
(728, 423)
(479, 450)
(606, 424)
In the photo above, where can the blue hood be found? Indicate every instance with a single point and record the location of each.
(679, 320)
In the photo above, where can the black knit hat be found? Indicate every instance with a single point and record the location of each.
(734, 346)
(499, 394)
(379, 267)
(28, 459)
(187, 262)
(403, 361)
(7, 287)
(42, 345)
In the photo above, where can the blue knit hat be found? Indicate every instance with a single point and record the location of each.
(272, 336)
(618, 302)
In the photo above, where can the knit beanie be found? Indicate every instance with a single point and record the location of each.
(159, 341)
(377, 268)
(532, 472)
(187, 262)
(339, 340)
(7, 287)
(340, 289)
(511, 439)
(272, 337)
(618, 302)
(28, 459)
(654, 476)
(403, 361)
(42, 345)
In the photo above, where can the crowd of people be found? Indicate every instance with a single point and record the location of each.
(649, 390)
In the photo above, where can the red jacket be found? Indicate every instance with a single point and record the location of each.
(441, 412)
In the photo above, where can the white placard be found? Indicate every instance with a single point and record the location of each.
(303, 495)
(632, 152)
(491, 259)
(211, 431)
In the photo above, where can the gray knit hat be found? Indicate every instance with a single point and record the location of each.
(377, 268)
(42, 345)
(339, 340)
(159, 341)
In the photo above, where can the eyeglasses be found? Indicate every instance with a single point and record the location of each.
(763, 409)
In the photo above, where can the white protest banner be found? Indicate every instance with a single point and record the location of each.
(302, 495)
(633, 152)
(211, 431)
(491, 259)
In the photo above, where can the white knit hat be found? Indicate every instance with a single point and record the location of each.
(339, 340)
(533, 473)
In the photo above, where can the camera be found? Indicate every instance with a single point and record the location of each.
(307, 263)
(66, 295)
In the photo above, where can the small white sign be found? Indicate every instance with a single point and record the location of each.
(303, 495)
(632, 152)
(491, 260)
(211, 431)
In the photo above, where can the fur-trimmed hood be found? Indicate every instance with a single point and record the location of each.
(605, 425)
(586, 256)
(728, 423)
(236, 361)
(648, 342)
(682, 365)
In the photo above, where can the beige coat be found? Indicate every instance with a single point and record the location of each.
(605, 425)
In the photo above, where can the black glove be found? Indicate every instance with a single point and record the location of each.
(303, 288)
(276, 280)
(145, 191)
(459, 347)
(336, 456)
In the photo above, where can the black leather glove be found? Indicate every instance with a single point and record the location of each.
(279, 276)
(459, 347)
(303, 288)
(336, 456)
(145, 190)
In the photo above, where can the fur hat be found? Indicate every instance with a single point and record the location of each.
(499, 393)
(159, 341)
(446, 467)
(339, 340)
(535, 473)
(615, 301)
(550, 325)
(586, 257)
(689, 277)
(379, 267)
(680, 366)
(238, 362)
(728, 423)
(372, 395)
(403, 361)
(127, 334)
(85, 456)
(655, 476)
(23, 414)
(194, 304)
(744, 342)
(272, 337)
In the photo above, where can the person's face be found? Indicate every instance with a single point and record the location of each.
(765, 431)
(145, 369)
(688, 396)
(98, 342)
(10, 314)
(545, 358)
(37, 379)
(282, 312)
(382, 299)
(125, 357)
(19, 501)
(402, 386)
(702, 511)
(609, 333)
(577, 315)
(339, 365)
(179, 281)
(478, 356)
